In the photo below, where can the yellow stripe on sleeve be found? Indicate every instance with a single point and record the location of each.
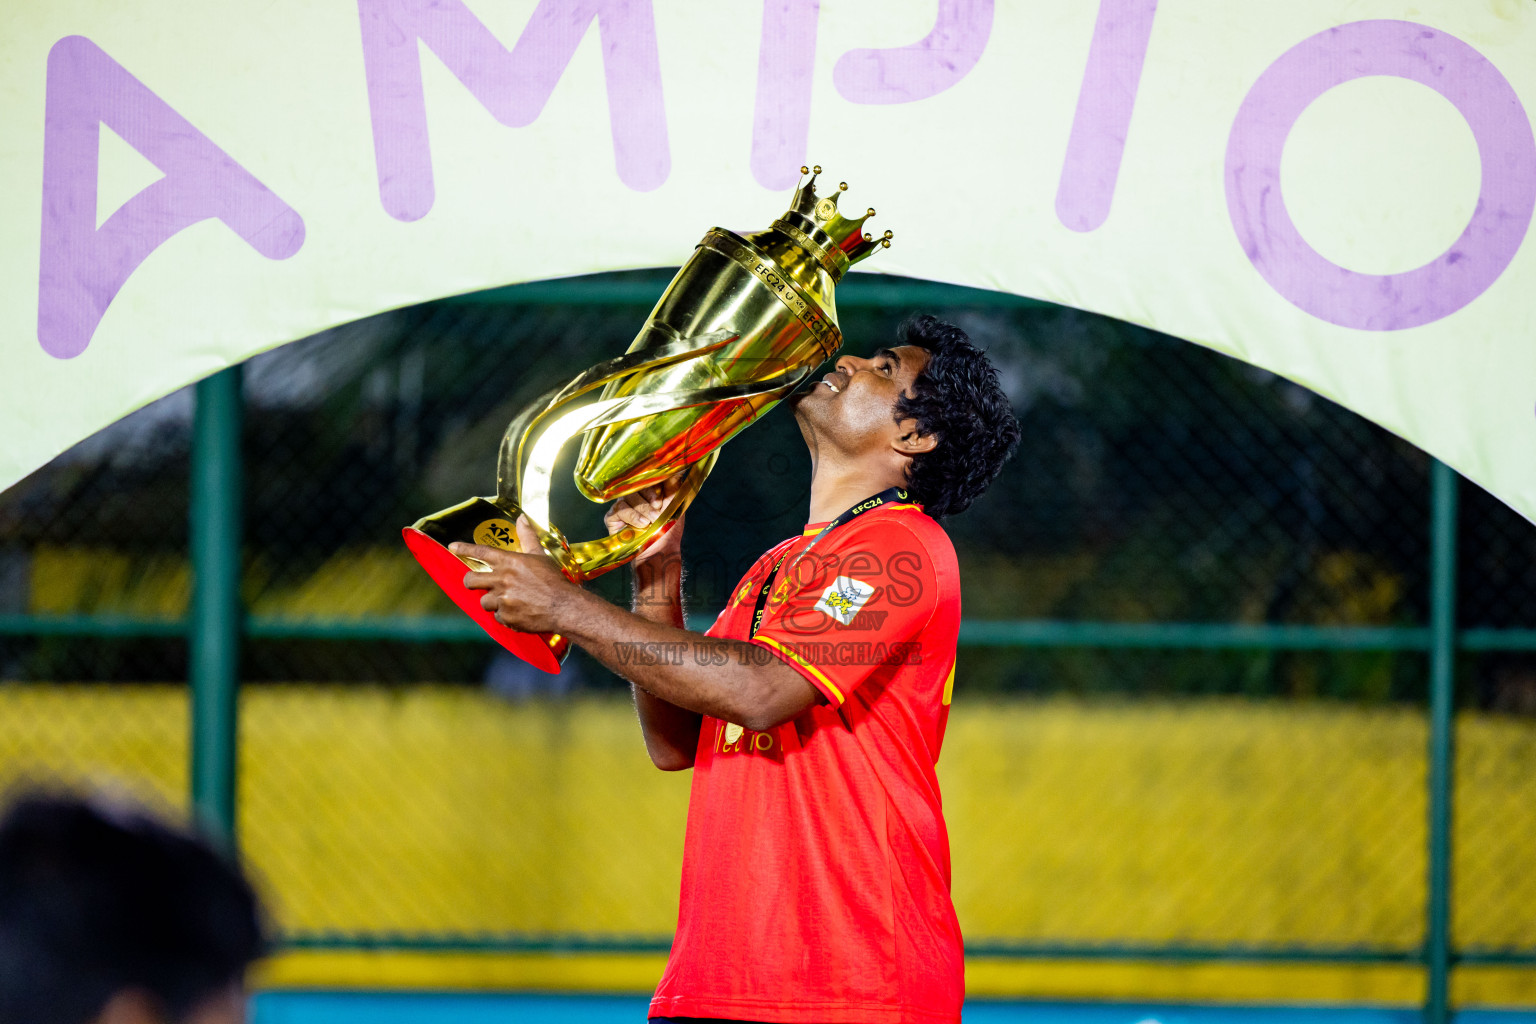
(812, 669)
(949, 685)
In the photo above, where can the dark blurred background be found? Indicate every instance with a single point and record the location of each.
(1192, 714)
(1157, 482)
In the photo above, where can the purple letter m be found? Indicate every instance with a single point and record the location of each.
(513, 86)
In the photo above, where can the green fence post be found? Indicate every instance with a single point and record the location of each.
(214, 624)
(1442, 670)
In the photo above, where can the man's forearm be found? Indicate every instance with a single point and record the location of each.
(671, 733)
(658, 595)
(727, 679)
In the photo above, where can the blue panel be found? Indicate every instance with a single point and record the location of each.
(499, 1008)
(985, 1011)
(444, 1008)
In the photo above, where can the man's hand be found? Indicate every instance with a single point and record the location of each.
(524, 591)
(643, 508)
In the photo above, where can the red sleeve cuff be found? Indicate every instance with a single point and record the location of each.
(789, 656)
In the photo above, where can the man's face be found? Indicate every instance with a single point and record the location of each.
(854, 406)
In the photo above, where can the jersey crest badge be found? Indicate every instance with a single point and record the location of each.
(843, 599)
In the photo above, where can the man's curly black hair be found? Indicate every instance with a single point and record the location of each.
(958, 400)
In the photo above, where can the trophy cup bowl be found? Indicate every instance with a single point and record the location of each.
(743, 323)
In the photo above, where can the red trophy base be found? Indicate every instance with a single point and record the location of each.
(537, 649)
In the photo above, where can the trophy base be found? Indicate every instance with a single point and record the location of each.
(544, 651)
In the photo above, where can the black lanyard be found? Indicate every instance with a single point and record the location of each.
(886, 496)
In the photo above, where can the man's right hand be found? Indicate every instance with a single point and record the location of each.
(640, 510)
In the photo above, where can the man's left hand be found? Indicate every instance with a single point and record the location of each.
(525, 592)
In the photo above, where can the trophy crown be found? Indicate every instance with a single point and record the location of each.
(837, 240)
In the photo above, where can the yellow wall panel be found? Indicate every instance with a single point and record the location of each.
(125, 740)
(445, 811)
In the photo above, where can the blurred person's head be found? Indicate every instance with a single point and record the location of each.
(109, 916)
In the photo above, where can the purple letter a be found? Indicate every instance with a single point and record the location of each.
(82, 267)
(513, 86)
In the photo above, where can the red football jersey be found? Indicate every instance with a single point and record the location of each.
(816, 874)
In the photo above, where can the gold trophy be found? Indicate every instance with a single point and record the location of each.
(745, 321)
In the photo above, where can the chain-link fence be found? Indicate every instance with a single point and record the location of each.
(1191, 709)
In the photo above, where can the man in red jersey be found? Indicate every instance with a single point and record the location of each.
(816, 873)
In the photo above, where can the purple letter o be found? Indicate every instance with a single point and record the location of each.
(1381, 302)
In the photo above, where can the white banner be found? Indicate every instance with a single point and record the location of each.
(1336, 190)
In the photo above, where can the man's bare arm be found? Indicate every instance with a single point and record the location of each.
(671, 732)
(727, 679)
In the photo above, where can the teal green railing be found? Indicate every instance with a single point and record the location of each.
(213, 634)
(215, 628)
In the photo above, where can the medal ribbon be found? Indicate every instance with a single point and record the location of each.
(890, 494)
